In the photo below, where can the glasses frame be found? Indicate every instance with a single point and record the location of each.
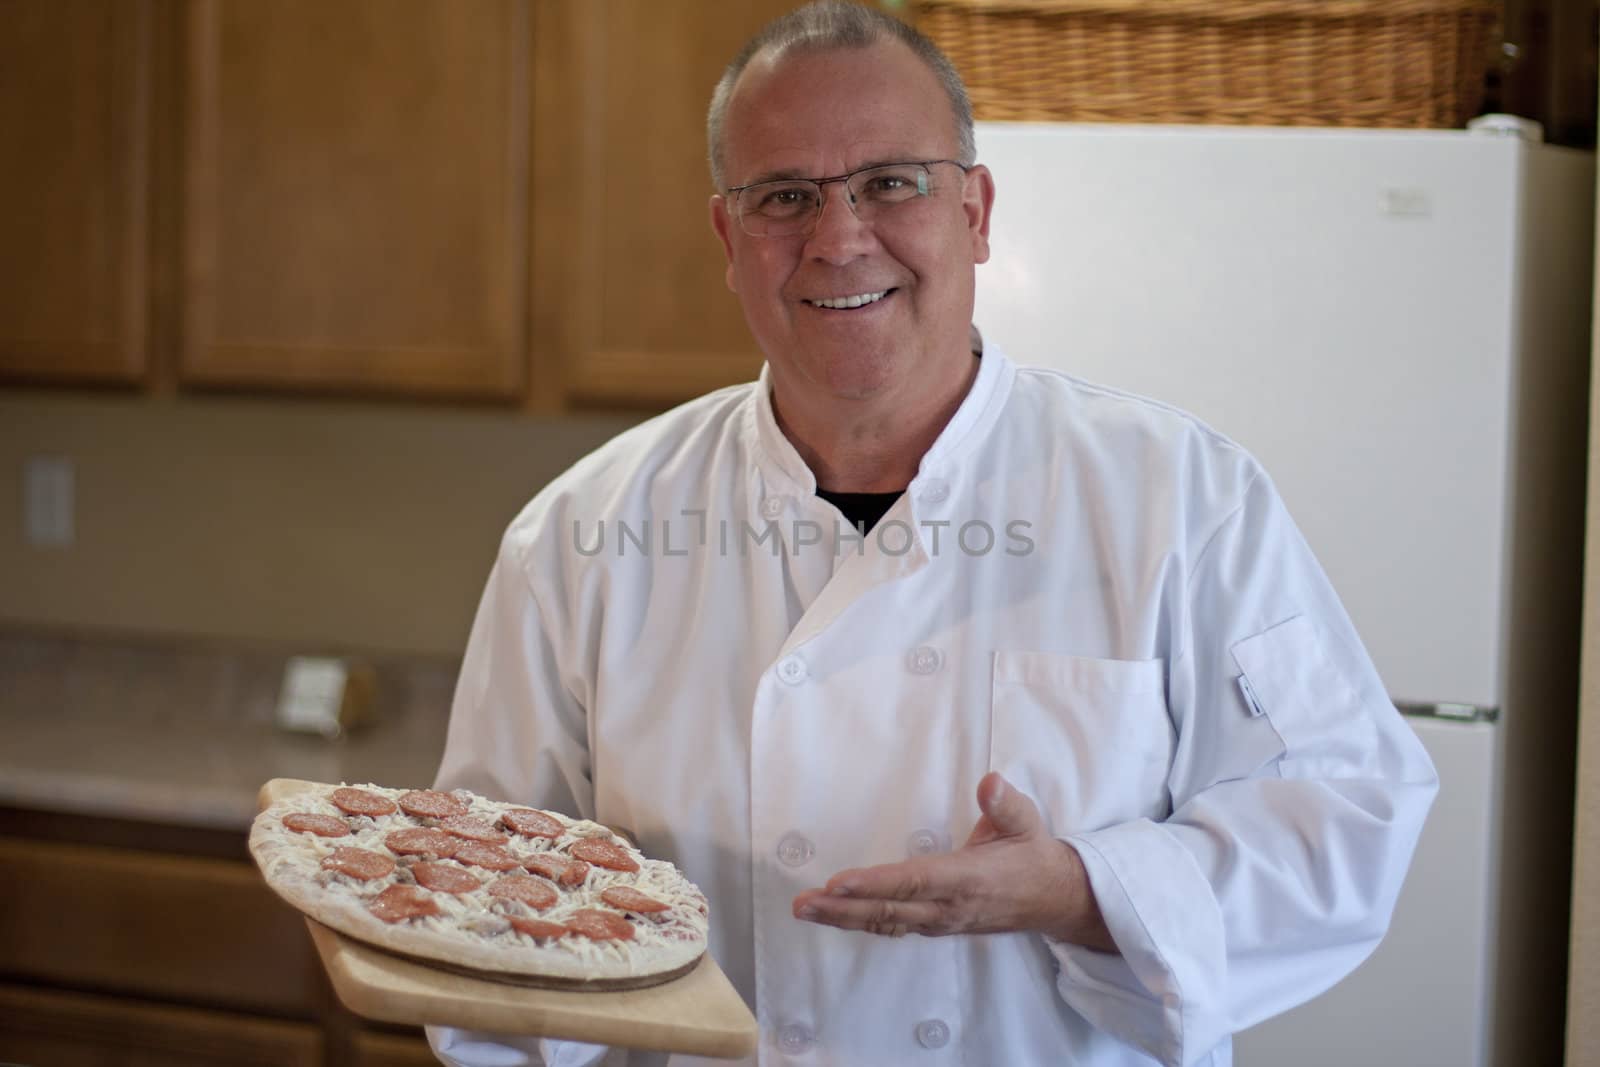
(735, 192)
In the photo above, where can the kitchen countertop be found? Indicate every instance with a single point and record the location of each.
(183, 732)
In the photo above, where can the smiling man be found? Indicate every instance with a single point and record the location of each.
(1027, 731)
(858, 289)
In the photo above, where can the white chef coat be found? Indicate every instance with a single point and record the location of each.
(1142, 642)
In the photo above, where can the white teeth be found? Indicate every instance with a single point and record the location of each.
(851, 301)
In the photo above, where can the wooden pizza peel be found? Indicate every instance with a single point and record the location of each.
(700, 1013)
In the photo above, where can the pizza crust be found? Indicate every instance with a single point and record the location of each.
(473, 934)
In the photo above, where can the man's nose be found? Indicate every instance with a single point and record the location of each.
(838, 234)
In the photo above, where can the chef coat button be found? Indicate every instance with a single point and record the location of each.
(925, 843)
(934, 491)
(795, 850)
(773, 506)
(796, 1037)
(924, 659)
(933, 1033)
(792, 669)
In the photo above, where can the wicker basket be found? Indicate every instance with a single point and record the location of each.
(1408, 63)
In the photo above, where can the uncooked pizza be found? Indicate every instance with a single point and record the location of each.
(472, 884)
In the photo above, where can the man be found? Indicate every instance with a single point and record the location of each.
(1079, 711)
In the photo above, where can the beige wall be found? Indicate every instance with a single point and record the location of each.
(313, 523)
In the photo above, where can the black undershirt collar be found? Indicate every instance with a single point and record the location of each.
(861, 510)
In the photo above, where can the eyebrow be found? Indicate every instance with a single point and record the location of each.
(792, 174)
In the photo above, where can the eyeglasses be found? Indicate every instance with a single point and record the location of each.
(792, 206)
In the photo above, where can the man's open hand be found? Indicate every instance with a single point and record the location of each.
(1010, 875)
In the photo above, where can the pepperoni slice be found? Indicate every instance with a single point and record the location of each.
(538, 927)
(490, 857)
(444, 878)
(574, 875)
(531, 823)
(360, 863)
(620, 896)
(605, 854)
(421, 841)
(400, 902)
(537, 894)
(551, 866)
(473, 828)
(362, 802)
(431, 804)
(305, 822)
(600, 925)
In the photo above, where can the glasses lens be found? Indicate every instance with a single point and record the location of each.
(778, 207)
(889, 185)
(782, 208)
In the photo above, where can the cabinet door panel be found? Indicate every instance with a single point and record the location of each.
(201, 930)
(628, 281)
(56, 1029)
(356, 195)
(74, 120)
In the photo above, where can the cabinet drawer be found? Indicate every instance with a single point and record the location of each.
(171, 927)
(55, 1029)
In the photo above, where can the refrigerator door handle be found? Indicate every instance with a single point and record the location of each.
(1446, 710)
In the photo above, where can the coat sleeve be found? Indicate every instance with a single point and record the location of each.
(518, 731)
(518, 724)
(1297, 794)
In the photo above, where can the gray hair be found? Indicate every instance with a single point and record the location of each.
(827, 25)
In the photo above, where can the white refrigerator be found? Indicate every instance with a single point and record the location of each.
(1396, 324)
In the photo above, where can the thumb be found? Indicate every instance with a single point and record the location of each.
(1009, 811)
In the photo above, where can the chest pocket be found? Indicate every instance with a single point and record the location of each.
(1089, 739)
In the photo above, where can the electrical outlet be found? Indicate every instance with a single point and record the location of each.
(47, 501)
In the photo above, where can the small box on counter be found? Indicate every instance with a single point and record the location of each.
(326, 695)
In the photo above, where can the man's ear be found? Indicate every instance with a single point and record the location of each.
(720, 222)
(977, 200)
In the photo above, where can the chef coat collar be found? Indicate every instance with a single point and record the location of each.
(780, 462)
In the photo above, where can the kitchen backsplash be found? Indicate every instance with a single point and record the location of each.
(317, 524)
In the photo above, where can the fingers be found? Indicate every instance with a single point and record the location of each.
(923, 896)
(888, 918)
(921, 878)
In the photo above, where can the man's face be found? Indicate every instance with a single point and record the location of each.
(823, 114)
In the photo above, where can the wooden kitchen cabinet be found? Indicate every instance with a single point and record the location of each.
(189, 928)
(144, 945)
(502, 200)
(51, 1028)
(355, 196)
(75, 87)
(628, 276)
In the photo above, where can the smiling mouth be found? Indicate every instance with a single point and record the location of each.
(847, 303)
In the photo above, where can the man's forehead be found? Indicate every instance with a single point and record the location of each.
(794, 161)
(773, 131)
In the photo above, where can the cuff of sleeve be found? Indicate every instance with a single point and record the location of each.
(472, 1048)
(1163, 991)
